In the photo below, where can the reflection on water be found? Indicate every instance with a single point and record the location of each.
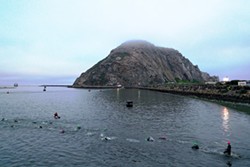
(118, 93)
(225, 119)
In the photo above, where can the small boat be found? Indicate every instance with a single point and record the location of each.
(129, 104)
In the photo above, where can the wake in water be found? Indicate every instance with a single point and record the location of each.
(133, 140)
(220, 152)
(107, 138)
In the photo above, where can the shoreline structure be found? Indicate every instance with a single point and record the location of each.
(210, 94)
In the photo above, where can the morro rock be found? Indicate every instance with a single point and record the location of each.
(140, 63)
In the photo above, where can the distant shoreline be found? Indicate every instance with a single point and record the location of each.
(68, 86)
(82, 87)
(94, 87)
(7, 87)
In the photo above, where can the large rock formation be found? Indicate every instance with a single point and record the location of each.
(139, 63)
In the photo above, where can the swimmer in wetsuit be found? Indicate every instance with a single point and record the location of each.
(195, 146)
(56, 116)
(228, 150)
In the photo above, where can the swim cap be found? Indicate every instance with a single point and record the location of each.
(228, 142)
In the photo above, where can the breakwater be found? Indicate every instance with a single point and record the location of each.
(236, 94)
(93, 87)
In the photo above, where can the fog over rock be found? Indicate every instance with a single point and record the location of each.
(140, 63)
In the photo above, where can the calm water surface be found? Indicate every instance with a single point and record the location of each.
(30, 136)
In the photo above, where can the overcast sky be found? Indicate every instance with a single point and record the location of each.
(54, 41)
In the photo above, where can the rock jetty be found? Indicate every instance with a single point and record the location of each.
(219, 92)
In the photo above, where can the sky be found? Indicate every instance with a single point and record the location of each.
(54, 41)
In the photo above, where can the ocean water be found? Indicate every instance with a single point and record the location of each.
(97, 129)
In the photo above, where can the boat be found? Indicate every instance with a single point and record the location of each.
(129, 103)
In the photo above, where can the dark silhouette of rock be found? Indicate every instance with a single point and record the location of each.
(140, 63)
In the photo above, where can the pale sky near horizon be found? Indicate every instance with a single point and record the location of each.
(54, 41)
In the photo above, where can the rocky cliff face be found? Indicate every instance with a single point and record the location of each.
(139, 63)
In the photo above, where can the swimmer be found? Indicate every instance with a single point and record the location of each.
(56, 116)
(106, 138)
(195, 146)
(151, 139)
(228, 149)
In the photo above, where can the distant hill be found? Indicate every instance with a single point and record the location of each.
(140, 63)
